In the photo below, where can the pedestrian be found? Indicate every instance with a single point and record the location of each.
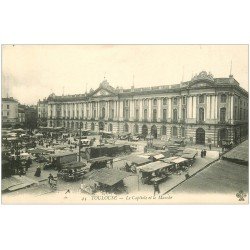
(38, 172)
(202, 153)
(210, 146)
(51, 177)
(187, 175)
(205, 152)
(111, 163)
(156, 188)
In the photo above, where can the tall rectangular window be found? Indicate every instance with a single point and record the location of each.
(223, 114)
(137, 114)
(164, 115)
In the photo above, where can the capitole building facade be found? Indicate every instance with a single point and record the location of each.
(204, 110)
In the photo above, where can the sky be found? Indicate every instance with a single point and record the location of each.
(32, 72)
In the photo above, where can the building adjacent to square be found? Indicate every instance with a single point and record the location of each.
(204, 110)
(9, 112)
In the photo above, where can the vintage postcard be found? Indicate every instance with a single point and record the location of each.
(124, 124)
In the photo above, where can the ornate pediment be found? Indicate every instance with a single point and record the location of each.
(203, 76)
(203, 79)
(104, 90)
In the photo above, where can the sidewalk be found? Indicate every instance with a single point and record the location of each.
(174, 179)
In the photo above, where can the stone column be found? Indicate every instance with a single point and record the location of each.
(106, 110)
(66, 110)
(169, 108)
(231, 108)
(54, 110)
(97, 109)
(216, 107)
(212, 107)
(141, 113)
(62, 110)
(180, 102)
(131, 109)
(189, 107)
(80, 110)
(121, 111)
(149, 109)
(194, 107)
(208, 107)
(76, 106)
(49, 110)
(159, 110)
(85, 110)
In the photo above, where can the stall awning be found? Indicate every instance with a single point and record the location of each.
(37, 151)
(169, 159)
(151, 167)
(137, 160)
(63, 154)
(75, 164)
(109, 176)
(189, 151)
(188, 155)
(100, 159)
(179, 160)
(158, 156)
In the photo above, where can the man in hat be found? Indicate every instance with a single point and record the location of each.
(156, 188)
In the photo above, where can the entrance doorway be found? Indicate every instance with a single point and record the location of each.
(101, 126)
(144, 130)
(200, 136)
(154, 131)
(222, 135)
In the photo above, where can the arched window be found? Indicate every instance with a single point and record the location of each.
(155, 115)
(174, 131)
(223, 98)
(201, 114)
(155, 102)
(175, 115)
(223, 114)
